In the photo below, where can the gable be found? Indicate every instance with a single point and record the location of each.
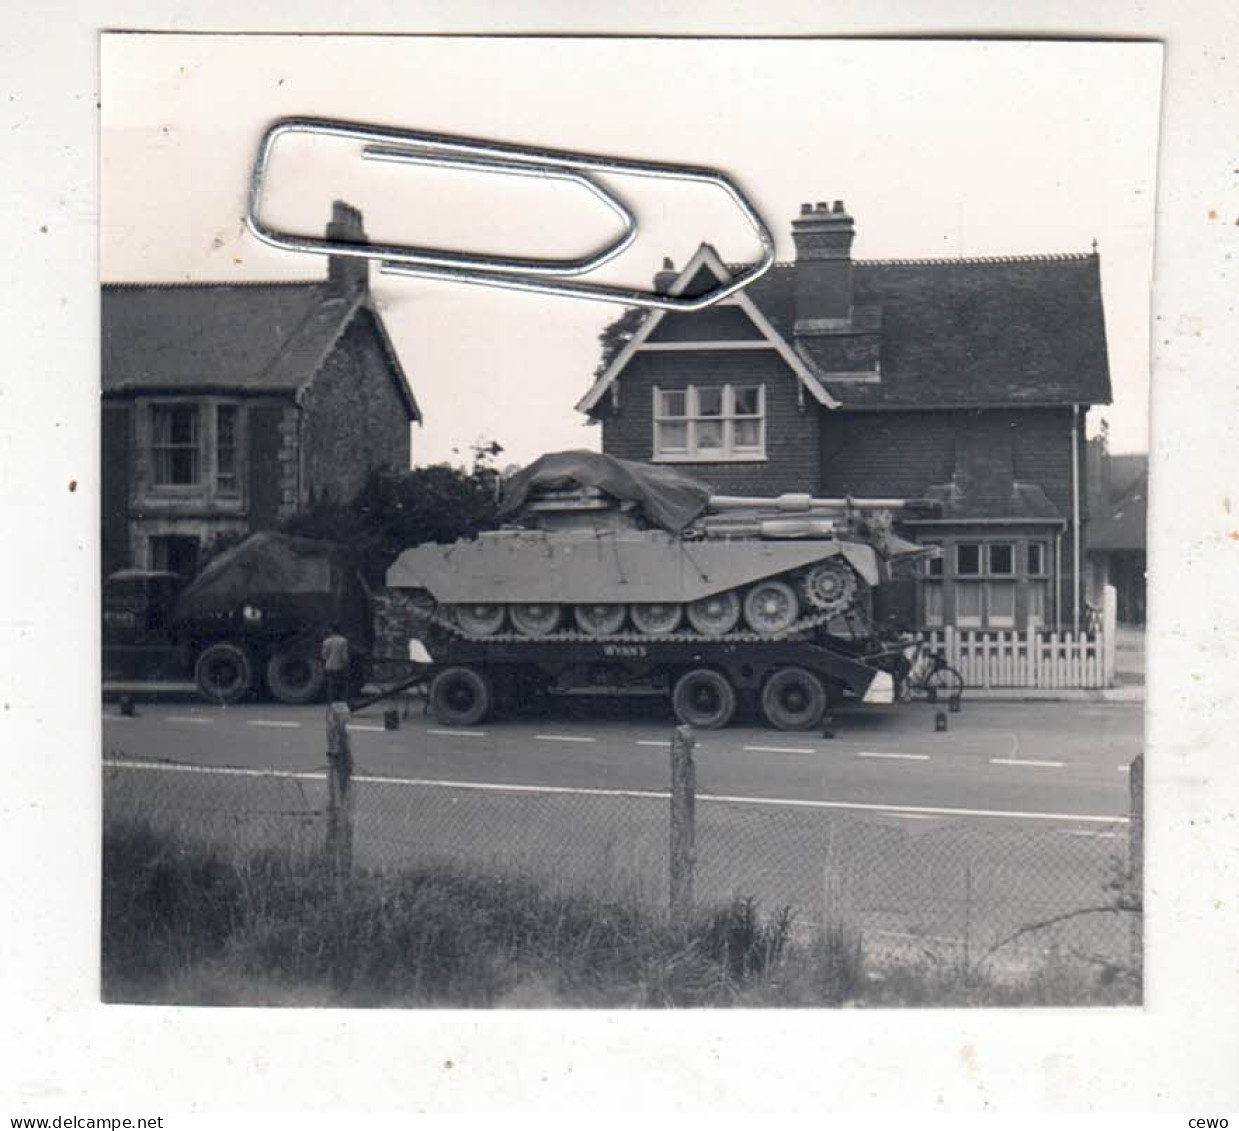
(744, 314)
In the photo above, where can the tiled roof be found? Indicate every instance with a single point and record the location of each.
(1014, 501)
(247, 338)
(969, 332)
(1122, 527)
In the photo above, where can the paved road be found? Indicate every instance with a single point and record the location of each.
(999, 762)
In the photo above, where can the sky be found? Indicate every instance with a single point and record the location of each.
(939, 149)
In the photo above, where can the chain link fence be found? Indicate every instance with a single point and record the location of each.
(986, 895)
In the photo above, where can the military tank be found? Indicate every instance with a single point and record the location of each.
(600, 548)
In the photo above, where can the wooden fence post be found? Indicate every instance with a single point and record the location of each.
(683, 832)
(339, 793)
(1135, 862)
(1109, 630)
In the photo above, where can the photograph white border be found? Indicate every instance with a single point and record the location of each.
(64, 1051)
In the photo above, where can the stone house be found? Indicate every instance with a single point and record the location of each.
(962, 380)
(227, 407)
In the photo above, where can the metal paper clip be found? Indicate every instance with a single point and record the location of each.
(538, 275)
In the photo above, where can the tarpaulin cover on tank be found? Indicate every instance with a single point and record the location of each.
(276, 570)
(667, 498)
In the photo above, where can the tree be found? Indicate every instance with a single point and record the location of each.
(616, 335)
(398, 509)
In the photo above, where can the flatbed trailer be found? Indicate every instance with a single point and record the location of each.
(792, 681)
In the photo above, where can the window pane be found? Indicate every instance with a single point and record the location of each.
(968, 559)
(748, 434)
(672, 437)
(1036, 557)
(709, 435)
(1001, 559)
(672, 402)
(182, 465)
(1038, 592)
(747, 399)
(932, 591)
(709, 402)
(1001, 604)
(933, 566)
(968, 603)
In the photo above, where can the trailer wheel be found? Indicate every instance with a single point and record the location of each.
(460, 697)
(223, 673)
(793, 699)
(704, 698)
(295, 677)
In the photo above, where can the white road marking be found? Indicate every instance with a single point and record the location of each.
(1026, 762)
(187, 719)
(273, 723)
(366, 726)
(565, 738)
(654, 742)
(906, 757)
(1124, 768)
(910, 816)
(1083, 832)
(781, 749)
(564, 790)
(453, 733)
(122, 719)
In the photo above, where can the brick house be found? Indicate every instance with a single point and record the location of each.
(963, 380)
(229, 406)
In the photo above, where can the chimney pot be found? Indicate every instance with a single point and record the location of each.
(346, 273)
(821, 206)
(806, 209)
(838, 206)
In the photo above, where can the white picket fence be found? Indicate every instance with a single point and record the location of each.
(1037, 658)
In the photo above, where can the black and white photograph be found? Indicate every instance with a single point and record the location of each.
(676, 540)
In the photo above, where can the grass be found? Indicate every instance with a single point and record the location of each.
(188, 924)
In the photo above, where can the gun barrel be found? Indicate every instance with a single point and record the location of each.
(794, 502)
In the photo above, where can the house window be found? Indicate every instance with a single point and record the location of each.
(226, 481)
(715, 422)
(176, 439)
(1000, 584)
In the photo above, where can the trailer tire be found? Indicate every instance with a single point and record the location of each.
(704, 698)
(460, 697)
(794, 699)
(295, 677)
(224, 673)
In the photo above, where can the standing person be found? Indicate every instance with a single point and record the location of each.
(335, 663)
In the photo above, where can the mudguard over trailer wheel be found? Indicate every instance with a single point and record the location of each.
(460, 697)
(794, 699)
(224, 673)
(295, 677)
(704, 698)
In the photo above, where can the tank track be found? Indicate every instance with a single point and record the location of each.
(747, 636)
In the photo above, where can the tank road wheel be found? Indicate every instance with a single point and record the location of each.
(535, 620)
(479, 620)
(599, 620)
(830, 587)
(656, 620)
(460, 697)
(715, 616)
(295, 677)
(223, 673)
(793, 699)
(771, 606)
(704, 698)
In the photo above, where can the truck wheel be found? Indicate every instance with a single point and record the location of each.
(295, 677)
(223, 673)
(460, 697)
(794, 699)
(704, 698)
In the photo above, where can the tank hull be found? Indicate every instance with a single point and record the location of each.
(601, 567)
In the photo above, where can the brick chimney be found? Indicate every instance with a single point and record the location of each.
(345, 273)
(665, 278)
(823, 235)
